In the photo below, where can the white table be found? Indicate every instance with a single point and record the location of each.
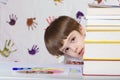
(6, 73)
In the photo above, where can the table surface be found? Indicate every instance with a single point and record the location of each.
(6, 73)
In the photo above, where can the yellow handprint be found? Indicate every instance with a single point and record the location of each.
(7, 48)
(57, 1)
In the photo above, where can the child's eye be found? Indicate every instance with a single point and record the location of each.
(73, 39)
(66, 50)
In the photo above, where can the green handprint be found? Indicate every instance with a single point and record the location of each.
(7, 48)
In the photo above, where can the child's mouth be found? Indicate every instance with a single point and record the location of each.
(81, 52)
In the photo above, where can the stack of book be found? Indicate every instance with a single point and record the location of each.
(102, 48)
(102, 57)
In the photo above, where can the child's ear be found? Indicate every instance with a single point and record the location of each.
(82, 30)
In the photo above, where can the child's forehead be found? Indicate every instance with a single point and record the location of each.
(69, 36)
(72, 33)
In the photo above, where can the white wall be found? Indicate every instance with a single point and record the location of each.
(22, 36)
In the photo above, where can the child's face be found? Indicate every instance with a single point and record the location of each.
(74, 45)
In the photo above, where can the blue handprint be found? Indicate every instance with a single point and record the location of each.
(33, 50)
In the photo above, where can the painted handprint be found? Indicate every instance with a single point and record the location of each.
(57, 1)
(33, 50)
(50, 19)
(7, 50)
(3, 2)
(30, 23)
(13, 19)
(80, 16)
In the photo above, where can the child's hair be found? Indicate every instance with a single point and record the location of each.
(58, 30)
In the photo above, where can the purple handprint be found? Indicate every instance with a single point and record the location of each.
(33, 50)
(13, 20)
(3, 2)
(80, 15)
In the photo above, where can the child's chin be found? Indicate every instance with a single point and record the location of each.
(78, 56)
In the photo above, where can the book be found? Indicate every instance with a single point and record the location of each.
(103, 23)
(102, 6)
(102, 49)
(103, 3)
(107, 17)
(103, 35)
(102, 29)
(101, 68)
(103, 11)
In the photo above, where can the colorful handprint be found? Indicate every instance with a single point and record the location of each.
(80, 15)
(3, 2)
(33, 50)
(7, 50)
(13, 19)
(30, 23)
(57, 1)
(50, 19)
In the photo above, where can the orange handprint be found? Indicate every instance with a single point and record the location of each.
(30, 23)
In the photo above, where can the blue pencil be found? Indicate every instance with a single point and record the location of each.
(21, 68)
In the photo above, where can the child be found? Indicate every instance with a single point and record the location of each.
(65, 36)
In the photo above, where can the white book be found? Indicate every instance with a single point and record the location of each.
(102, 29)
(102, 49)
(103, 35)
(103, 11)
(107, 17)
(101, 68)
(102, 6)
(103, 23)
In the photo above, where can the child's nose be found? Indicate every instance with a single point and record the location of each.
(74, 49)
